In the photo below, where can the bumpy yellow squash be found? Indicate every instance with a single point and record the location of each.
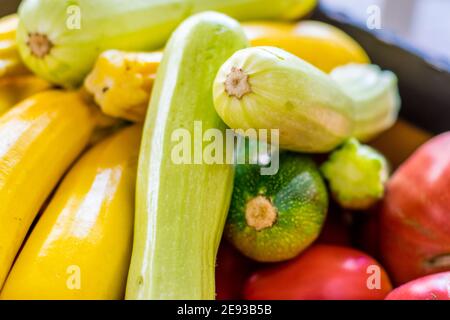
(121, 82)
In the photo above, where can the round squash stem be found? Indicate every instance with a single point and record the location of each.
(237, 83)
(39, 44)
(260, 213)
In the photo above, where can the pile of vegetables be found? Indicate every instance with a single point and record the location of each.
(116, 179)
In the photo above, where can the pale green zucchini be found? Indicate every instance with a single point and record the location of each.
(375, 94)
(269, 88)
(60, 40)
(181, 208)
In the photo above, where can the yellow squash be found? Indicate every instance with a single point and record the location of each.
(8, 27)
(39, 139)
(121, 82)
(320, 44)
(81, 246)
(14, 89)
(10, 62)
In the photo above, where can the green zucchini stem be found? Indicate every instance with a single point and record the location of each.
(39, 44)
(237, 83)
(260, 213)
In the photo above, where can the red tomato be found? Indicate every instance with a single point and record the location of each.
(432, 287)
(415, 218)
(323, 272)
(231, 272)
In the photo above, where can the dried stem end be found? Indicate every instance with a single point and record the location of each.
(260, 213)
(237, 83)
(39, 44)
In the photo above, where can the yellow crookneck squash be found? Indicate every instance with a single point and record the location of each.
(81, 246)
(39, 139)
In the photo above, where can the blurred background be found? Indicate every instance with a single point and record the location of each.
(424, 24)
(8, 6)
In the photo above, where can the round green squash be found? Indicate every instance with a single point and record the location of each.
(275, 217)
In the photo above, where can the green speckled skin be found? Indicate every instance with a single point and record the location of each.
(300, 197)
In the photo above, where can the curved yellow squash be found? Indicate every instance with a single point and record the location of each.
(8, 26)
(39, 139)
(10, 61)
(17, 88)
(81, 246)
(321, 44)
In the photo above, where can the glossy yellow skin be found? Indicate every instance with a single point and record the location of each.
(14, 89)
(10, 62)
(40, 138)
(8, 26)
(320, 44)
(81, 246)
